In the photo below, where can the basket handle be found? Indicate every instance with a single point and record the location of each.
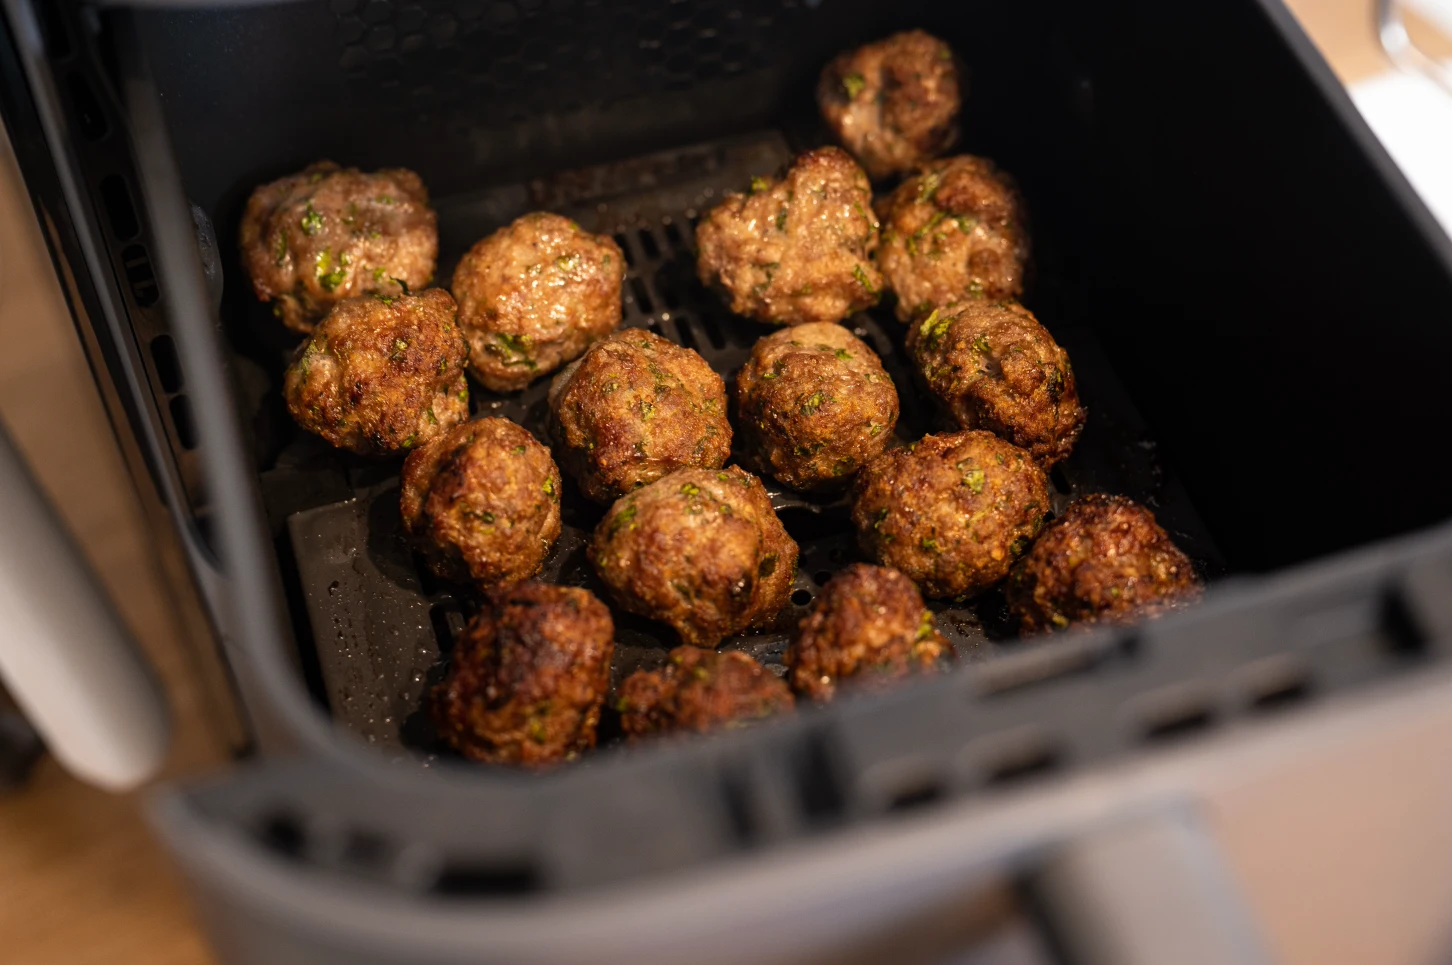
(1146, 891)
(65, 657)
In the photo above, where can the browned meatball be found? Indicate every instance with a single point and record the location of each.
(312, 239)
(1104, 560)
(700, 550)
(797, 248)
(634, 408)
(381, 374)
(815, 404)
(893, 103)
(992, 366)
(533, 295)
(952, 511)
(953, 231)
(867, 626)
(698, 691)
(482, 502)
(527, 677)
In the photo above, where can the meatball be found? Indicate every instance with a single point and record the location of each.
(701, 550)
(634, 408)
(482, 502)
(953, 512)
(1104, 560)
(814, 404)
(527, 677)
(867, 626)
(992, 366)
(533, 295)
(700, 690)
(953, 231)
(797, 248)
(312, 239)
(893, 103)
(381, 374)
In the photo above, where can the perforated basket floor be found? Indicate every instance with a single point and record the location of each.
(381, 626)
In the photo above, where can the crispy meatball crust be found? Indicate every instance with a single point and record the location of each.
(814, 405)
(991, 365)
(953, 231)
(893, 103)
(867, 626)
(699, 691)
(381, 374)
(528, 677)
(1104, 560)
(701, 550)
(482, 502)
(312, 239)
(798, 248)
(952, 512)
(533, 295)
(633, 408)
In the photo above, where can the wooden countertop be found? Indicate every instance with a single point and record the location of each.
(1341, 871)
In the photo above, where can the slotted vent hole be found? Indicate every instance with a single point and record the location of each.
(504, 879)
(119, 209)
(168, 366)
(642, 297)
(140, 275)
(182, 421)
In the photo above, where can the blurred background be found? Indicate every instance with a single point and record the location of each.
(1345, 859)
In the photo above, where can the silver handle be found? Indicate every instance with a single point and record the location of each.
(1148, 891)
(64, 656)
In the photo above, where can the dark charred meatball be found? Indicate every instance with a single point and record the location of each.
(533, 295)
(815, 404)
(992, 366)
(527, 677)
(894, 103)
(699, 691)
(953, 231)
(381, 374)
(482, 502)
(953, 512)
(868, 626)
(634, 408)
(795, 249)
(700, 550)
(1104, 560)
(312, 239)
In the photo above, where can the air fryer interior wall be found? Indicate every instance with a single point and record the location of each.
(1234, 294)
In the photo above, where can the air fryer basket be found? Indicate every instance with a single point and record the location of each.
(1247, 288)
(380, 624)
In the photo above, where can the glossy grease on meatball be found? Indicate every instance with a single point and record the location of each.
(312, 239)
(381, 374)
(527, 677)
(797, 248)
(954, 231)
(1104, 560)
(482, 502)
(634, 408)
(699, 691)
(991, 365)
(953, 511)
(867, 627)
(893, 103)
(533, 295)
(701, 550)
(815, 404)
